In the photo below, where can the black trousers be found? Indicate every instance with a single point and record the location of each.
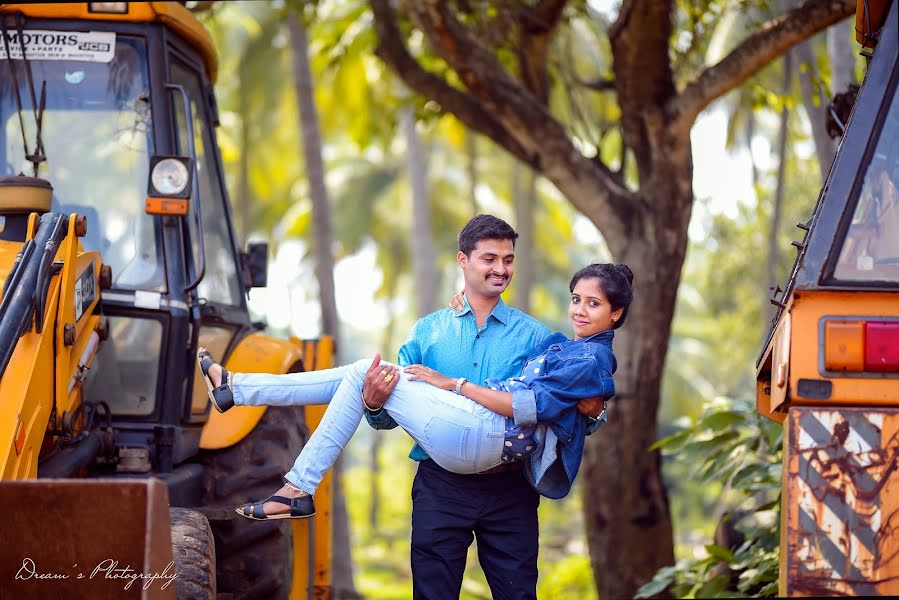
(449, 510)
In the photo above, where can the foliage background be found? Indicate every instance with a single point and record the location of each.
(720, 457)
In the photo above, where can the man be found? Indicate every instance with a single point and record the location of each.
(486, 339)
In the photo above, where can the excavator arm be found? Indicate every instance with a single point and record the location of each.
(48, 337)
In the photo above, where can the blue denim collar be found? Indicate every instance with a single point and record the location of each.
(603, 337)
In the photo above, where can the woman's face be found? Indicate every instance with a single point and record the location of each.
(590, 311)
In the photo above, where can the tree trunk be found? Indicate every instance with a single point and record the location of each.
(471, 155)
(750, 133)
(815, 108)
(243, 185)
(424, 261)
(629, 528)
(315, 171)
(524, 196)
(771, 262)
(342, 581)
(342, 571)
(840, 57)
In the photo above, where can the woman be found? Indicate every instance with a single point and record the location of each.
(464, 427)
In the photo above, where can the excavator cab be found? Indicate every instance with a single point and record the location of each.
(109, 108)
(829, 369)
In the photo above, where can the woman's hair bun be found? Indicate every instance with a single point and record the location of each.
(626, 271)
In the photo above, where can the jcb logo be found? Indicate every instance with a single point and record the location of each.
(94, 46)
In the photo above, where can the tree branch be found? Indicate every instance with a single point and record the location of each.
(499, 107)
(640, 40)
(767, 43)
(600, 85)
(536, 27)
(544, 17)
(393, 52)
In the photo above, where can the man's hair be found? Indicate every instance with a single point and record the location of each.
(484, 227)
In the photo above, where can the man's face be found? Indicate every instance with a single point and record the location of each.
(489, 269)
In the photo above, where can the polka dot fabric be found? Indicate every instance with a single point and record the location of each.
(519, 440)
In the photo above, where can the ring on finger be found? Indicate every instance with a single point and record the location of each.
(388, 378)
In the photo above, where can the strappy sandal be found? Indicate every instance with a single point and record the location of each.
(221, 396)
(300, 508)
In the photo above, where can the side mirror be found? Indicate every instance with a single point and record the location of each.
(255, 263)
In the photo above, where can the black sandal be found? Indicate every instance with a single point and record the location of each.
(222, 397)
(301, 507)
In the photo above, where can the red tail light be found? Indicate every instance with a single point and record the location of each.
(856, 346)
(882, 346)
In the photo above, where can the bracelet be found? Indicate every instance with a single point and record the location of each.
(459, 383)
(367, 407)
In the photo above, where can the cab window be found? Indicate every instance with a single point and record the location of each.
(97, 135)
(221, 283)
(870, 250)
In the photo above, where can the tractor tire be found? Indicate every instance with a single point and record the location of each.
(193, 552)
(254, 559)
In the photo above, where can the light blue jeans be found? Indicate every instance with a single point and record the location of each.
(459, 434)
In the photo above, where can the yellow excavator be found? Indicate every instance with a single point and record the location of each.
(829, 370)
(118, 259)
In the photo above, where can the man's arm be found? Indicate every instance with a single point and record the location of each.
(375, 390)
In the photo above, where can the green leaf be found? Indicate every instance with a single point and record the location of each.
(653, 588)
(719, 552)
(720, 421)
(714, 587)
(672, 442)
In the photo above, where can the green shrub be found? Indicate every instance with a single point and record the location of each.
(731, 444)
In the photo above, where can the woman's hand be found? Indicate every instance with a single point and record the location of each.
(457, 302)
(592, 407)
(423, 373)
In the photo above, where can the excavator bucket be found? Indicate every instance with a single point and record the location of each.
(85, 539)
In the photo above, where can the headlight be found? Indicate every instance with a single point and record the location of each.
(170, 177)
(120, 8)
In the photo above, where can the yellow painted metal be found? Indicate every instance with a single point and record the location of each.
(319, 354)
(256, 353)
(803, 317)
(67, 357)
(807, 310)
(8, 251)
(172, 14)
(36, 379)
(27, 392)
(869, 18)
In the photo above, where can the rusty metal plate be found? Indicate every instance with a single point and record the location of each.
(841, 499)
(103, 539)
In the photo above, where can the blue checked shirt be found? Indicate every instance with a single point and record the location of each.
(451, 343)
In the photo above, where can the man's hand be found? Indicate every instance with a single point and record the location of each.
(379, 383)
(457, 302)
(590, 407)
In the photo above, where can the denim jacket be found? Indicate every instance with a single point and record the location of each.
(567, 371)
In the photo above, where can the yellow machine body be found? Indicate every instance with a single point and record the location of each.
(42, 388)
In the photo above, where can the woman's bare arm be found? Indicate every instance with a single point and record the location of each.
(498, 402)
